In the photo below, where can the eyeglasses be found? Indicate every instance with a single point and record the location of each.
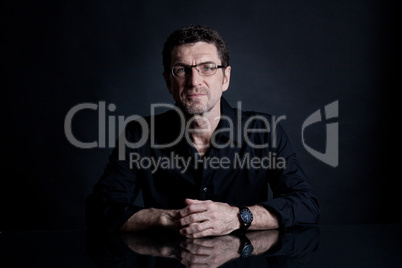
(204, 69)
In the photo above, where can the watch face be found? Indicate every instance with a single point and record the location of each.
(246, 216)
(247, 250)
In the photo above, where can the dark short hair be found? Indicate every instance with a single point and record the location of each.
(192, 34)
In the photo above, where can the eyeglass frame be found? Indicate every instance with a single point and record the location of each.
(195, 66)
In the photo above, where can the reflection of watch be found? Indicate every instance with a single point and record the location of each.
(246, 217)
(246, 248)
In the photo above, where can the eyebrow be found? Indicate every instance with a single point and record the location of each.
(187, 65)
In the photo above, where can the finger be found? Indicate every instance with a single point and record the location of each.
(191, 260)
(198, 230)
(205, 233)
(204, 242)
(193, 208)
(189, 201)
(196, 249)
(195, 228)
(194, 265)
(194, 218)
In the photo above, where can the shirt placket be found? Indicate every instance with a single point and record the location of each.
(206, 192)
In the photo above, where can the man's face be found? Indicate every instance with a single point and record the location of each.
(197, 94)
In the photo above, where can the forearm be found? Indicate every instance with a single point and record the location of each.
(150, 218)
(263, 219)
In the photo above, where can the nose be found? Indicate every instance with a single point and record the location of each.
(194, 79)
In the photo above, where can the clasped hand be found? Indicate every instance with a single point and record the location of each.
(207, 218)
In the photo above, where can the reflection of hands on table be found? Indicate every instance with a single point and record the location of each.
(209, 252)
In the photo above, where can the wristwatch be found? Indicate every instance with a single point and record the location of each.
(246, 248)
(246, 217)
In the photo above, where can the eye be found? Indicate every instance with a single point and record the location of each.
(180, 69)
(208, 67)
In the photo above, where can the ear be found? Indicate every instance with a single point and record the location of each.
(226, 78)
(167, 81)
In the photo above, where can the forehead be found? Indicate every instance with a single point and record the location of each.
(195, 53)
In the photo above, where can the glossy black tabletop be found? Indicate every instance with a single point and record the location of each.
(315, 246)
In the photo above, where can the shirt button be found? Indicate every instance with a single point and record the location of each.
(205, 189)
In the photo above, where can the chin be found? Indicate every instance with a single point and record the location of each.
(195, 109)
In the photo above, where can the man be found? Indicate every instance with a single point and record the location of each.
(203, 166)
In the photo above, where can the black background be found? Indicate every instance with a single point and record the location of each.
(288, 58)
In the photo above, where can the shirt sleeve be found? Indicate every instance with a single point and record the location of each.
(294, 202)
(110, 204)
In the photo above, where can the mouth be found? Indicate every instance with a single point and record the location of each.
(195, 95)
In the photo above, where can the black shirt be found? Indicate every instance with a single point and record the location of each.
(248, 151)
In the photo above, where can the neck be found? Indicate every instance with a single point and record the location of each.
(200, 129)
